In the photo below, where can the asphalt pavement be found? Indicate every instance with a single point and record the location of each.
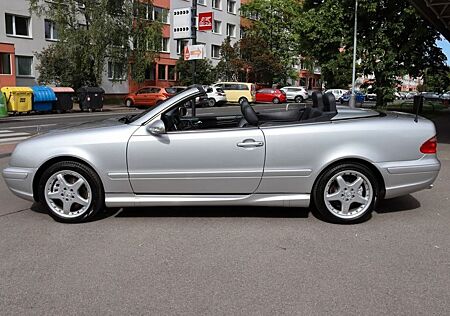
(222, 260)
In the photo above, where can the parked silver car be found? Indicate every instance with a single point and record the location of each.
(343, 160)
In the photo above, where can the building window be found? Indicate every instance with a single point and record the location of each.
(201, 2)
(217, 27)
(24, 66)
(217, 4)
(5, 64)
(171, 72)
(231, 6)
(150, 72)
(231, 30)
(180, 46)
(51, 32)
(17, 25)
(215, 51)
(161, 15)
(116, 71)
(165, 45)
(161, 72)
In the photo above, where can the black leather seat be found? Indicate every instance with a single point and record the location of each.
(249, 114)
(317, 100)
(329, 102)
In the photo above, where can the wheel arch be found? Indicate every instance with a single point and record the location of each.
(52, 161)
(368, 164)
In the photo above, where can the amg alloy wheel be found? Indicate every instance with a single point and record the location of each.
(346, 193)
(71, 192)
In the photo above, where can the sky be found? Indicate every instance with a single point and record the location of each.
(445, 45)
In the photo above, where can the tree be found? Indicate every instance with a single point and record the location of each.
(437, 80)
(274, 25)
(393, 39)
(92, 32)
(231, 66)
(205, 73)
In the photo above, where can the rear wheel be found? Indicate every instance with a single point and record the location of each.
(346, 193)
(211, 102)
(71, 192)
(276, 100)
(129, 103)
(242, 100)
(298, 99)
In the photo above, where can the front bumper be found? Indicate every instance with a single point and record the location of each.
(20, 181)
(404, 177)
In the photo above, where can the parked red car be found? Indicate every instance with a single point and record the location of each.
(270, 95)
(150, 96)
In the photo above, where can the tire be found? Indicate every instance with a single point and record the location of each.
(339, 198)
(298, 99)
(242, 100)
(275, 101)
(211, 102)
(128, 103)
(80, 188)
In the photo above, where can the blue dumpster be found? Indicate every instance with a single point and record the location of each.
(43, 98)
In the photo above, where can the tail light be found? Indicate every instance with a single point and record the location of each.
(430, 146)
(253, 90)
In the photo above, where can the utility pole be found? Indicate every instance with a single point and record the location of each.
(194, 36)
(352, 101)
(194, 42)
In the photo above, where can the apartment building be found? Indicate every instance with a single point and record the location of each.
(22, 35)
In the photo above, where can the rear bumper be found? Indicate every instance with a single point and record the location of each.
(404, 177)
(20, 181)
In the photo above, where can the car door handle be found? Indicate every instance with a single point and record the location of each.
(250, 143)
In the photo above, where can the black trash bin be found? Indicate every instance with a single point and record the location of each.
(64, 99)
(90, 98)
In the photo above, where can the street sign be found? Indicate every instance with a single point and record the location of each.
(193, 52)
(205, 21)
(182, 23)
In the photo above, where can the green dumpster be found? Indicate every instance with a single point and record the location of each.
(3, 109)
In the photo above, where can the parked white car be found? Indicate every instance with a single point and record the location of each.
(338, 93)
(298, 94)
(216, 96)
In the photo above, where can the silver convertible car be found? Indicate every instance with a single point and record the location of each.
(340, 160)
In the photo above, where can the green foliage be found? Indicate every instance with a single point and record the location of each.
(275, 35)
(92, 32)
(230, 66)
(205, 73)
(392, 39)
(437, 79)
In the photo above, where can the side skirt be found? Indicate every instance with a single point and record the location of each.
(132, 200)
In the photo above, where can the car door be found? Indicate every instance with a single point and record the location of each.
(228, 161)
(142, 96)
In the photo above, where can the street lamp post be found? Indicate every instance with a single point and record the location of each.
(352, 101)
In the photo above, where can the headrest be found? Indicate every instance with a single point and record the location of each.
(329, 102)
(249, 114)
(317, 100)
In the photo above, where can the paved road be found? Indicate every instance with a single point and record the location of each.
(218, 260)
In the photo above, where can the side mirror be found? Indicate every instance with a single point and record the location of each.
(156, 128)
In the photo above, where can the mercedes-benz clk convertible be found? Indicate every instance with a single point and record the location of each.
(340, 161)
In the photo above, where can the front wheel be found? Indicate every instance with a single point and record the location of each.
(71, 192)
(211, 102)
(346, 193)
(276, 100)
(298, 99)
(242, 100)
(129, 103)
